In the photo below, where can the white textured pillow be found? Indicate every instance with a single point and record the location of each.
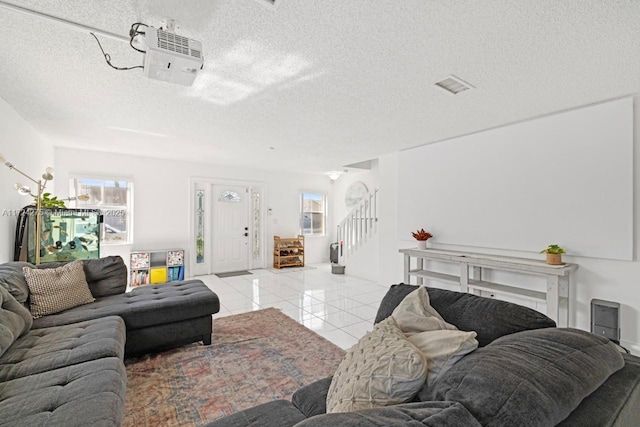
(441, 343)
(52, 290)
(382, 369)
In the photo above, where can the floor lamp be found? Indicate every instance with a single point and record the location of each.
(24, 190)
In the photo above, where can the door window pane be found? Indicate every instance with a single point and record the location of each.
(229, 196)
(199, 226)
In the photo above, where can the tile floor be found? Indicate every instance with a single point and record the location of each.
(339, 307)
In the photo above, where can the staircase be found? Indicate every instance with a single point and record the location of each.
(358, 227)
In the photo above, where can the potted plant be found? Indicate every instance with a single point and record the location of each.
(422, 236)
(554, 254)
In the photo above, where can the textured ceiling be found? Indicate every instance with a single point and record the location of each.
(325, 83)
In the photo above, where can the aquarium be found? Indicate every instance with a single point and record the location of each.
(66, 235)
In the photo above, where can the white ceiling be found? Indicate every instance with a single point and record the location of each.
(325, 83)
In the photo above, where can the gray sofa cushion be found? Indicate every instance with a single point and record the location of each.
(278, 413)
(45, 349)
(12, 279)
(534, 378)
(145, 306)
(489, 318)
(87, 394)
(106, 276)
(432, 414)
(15, 320)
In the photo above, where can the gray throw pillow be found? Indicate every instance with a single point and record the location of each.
(15, 320)
(12, 279)
(106, 276)
(532, 378)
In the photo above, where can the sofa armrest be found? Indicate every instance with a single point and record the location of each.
(312, 399)
(614, 403)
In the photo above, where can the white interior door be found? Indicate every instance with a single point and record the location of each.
(230, 231)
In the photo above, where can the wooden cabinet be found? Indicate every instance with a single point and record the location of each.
(288, 252)
(153, 267)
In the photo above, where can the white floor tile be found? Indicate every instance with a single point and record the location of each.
(367, 298)
(358, 330)
(365, 312)
(340, 338)
(341, 319)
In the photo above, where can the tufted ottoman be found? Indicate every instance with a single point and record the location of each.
(156, 316)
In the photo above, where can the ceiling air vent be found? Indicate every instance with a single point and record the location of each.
(453, 85)
(271, 4)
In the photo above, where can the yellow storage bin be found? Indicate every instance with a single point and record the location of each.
(158, 275)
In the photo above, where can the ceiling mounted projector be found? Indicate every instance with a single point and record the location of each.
(171, 58)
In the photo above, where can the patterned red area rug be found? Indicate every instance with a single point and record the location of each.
(254, 358)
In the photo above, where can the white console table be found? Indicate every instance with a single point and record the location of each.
(559, 277)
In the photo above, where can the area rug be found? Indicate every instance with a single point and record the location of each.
(290, 269)
(254, 358)
(233, 273)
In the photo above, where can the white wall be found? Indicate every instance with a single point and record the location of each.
(161, 198)
(28, 151)
(596, 278)
(542, 173)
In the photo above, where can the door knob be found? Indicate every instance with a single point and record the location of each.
(246, 234)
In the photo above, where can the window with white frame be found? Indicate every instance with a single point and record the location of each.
(114, 197)
(313, 212)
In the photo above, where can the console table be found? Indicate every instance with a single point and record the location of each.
(472, 265)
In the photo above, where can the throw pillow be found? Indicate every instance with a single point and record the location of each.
(15, 320)
(106, 276)
(12, 279)
(382, 369)
(530, 378)
(414, 314)
(52, 290)
(440, 342)
(443, 349)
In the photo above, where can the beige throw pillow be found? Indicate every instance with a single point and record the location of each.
(443, 349)
(52, 290)
(441, 343)
(382, 369)
(414, 314)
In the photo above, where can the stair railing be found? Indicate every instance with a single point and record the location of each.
(360, 225)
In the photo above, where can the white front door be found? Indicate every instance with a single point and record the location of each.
(230, 237)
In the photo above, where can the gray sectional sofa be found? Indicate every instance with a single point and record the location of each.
(66, 369)
(525, 372)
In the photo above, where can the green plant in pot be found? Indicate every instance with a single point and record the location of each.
(554, 254)
(50, 202)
